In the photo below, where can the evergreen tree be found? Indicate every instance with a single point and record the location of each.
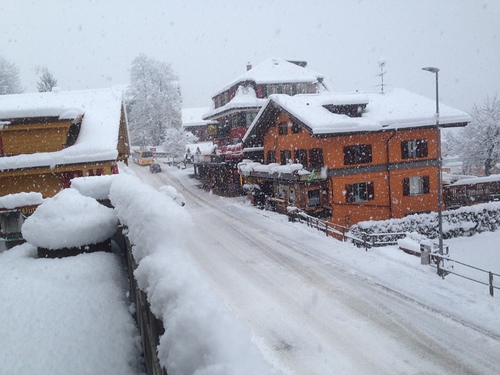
(47, 81)
(154, 101)
(9, 78)
(478, 144)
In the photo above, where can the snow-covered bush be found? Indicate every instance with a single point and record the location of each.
(465, 221)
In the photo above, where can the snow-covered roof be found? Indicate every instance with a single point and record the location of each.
(477, 180)
(206, 148)
(98, 138)
(395, 109)
(194, 117)
(245, 97)
(275, 70)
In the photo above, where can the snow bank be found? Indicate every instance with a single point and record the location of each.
(96, 187)
(201, 336)
(11, 201)
(172, 192)
(69, 220)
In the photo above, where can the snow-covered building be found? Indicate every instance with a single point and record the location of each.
(350, 157)
(236, 104)
(47, 139)
(192, 121)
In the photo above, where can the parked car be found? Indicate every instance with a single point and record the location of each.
(155, 168)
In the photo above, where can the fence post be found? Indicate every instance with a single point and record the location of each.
(491, 283)
(326, 228)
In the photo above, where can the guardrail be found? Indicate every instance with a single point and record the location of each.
(442, 271)
(340, 232)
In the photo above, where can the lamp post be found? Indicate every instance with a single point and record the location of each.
(439, 160)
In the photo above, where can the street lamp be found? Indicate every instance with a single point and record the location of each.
(439, 160)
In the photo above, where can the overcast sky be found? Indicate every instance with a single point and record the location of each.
(90, 44)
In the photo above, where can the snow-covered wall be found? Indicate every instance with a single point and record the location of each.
(201, 335)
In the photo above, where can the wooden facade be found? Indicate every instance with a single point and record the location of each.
(356, 175)
(48, 139)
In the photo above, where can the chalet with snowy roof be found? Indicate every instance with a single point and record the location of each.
(349, 157)
(192, 121)
(46, 139)
(236, 104)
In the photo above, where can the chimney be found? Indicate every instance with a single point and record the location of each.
(249, 66)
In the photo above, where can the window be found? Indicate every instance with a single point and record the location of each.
(300, 156)
(283, 128)
(416, 148)
(272, 89)
(249, 117)
(359, 192)
(296, 128)
(316, 157)
(285, 155)
(271, 156)
(357, 154)
(416, 185)
(313, 197)
(287, 88)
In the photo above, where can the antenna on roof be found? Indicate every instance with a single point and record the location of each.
(381, 64)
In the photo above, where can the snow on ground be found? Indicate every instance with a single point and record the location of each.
(201, 336)
(70, 316)
(442, 326)
(65, 316)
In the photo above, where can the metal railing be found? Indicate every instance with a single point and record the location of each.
(443, 271)
(368, 240)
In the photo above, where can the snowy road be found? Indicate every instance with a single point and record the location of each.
(312, 314)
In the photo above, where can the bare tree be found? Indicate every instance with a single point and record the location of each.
(9, 78)
(47, 81)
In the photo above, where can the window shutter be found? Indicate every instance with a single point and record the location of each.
(349, 197)
(423, 150)
(426, 184)
(406, 186)
(370, 189)
(404, 149)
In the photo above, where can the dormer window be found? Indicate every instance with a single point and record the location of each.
(351, 110)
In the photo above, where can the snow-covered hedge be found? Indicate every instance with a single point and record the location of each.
(465, 221)
(201, 335)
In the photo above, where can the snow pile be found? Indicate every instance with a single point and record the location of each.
(65, 316)
(11, 201)
(96, 187)
(172, 192)
(201, 336)
(69, 220)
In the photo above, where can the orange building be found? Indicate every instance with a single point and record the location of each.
(349, 157)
